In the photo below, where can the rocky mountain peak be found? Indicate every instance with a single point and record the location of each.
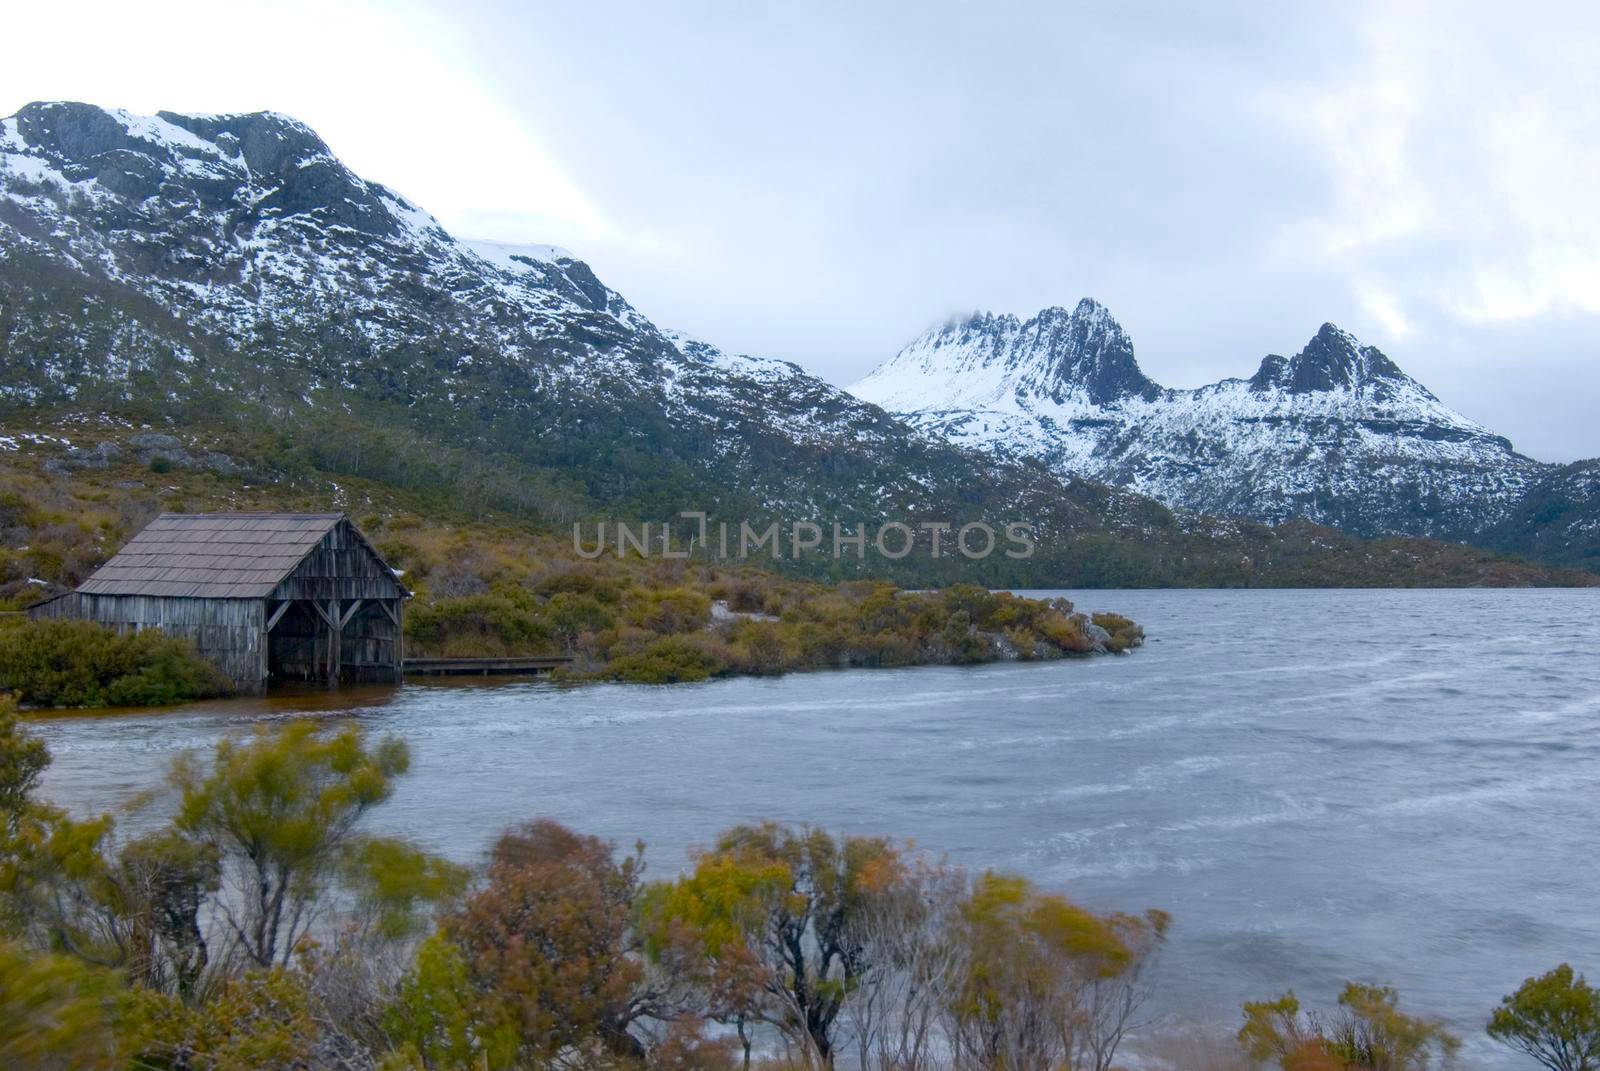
(268, 142)
(269, 161)
(985, 360)
(1085, 351)
(1334, 359)
(83, 135)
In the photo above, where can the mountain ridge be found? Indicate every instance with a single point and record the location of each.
(227, 273)
(1336, 433)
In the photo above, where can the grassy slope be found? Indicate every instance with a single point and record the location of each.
(490, 585)
(375, 474)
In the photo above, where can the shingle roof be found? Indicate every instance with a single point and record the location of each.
(211, 555)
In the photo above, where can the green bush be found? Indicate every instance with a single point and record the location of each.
(571, 615)
(578, 582)
(1124, 633)
(83, 664)
(746, 597)
(979, 604)
(672, 610)
(670, 660)
(500, 622)
(763, 647)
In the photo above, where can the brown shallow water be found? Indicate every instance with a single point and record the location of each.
(1397, 786)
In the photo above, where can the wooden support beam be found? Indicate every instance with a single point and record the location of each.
(335, 642)
(355, 605)
(277, 615)
(389, 611)
(322, 613)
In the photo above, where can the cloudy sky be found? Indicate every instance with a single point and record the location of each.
(823, 182)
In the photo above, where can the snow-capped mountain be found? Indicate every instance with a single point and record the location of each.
(229, 269)
(228, 276)
(1336, 434)
(212, 261)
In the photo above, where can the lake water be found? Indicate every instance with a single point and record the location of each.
(1394, 786)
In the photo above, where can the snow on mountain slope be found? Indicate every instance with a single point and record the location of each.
(239, 222)
(226, 274)
(1336, 434)
(165, 260)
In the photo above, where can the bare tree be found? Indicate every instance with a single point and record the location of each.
(914, 959)
(1113, 1003)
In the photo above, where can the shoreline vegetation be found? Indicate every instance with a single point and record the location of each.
(704, 626)
(258, 925)
(494, 590)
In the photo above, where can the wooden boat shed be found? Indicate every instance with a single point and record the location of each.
(264, 596)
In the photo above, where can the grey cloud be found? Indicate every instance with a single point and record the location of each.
(821, 183)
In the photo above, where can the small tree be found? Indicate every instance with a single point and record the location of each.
(1047, 983)
(813, 953)
(549, 948)
(775, 911)
(23, 758)
(914, 960)
(706, 932)
(1367, 1033)
(431, 1020)
(56, 885)
(1554, 1018)
(1275, 1030)
(256, 1021)
(164, 881)
(1370, 1031)
(281, 812)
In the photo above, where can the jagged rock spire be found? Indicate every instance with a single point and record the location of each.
(1334, 359)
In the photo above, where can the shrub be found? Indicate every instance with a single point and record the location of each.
(1554, 1018)
(1124, 633)
(884, 609)
(84, 664)
(499, 622)
(763, 647)
(962, 643)
(55, 1012)
(746, 597)
(571, 615)
(1066, 633)
(670, 660)
(672, 610)
(578, 582)
(1368, 1032)
(1023, 642)
(546, 950)
(263, 1020)
(979, 604)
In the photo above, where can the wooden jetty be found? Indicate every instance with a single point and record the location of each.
(488, 667)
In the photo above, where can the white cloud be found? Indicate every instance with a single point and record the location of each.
(822, 182)
(1462, 181)
(390, 86)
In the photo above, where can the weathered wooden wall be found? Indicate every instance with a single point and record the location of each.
(227, 632)
(342, 566)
